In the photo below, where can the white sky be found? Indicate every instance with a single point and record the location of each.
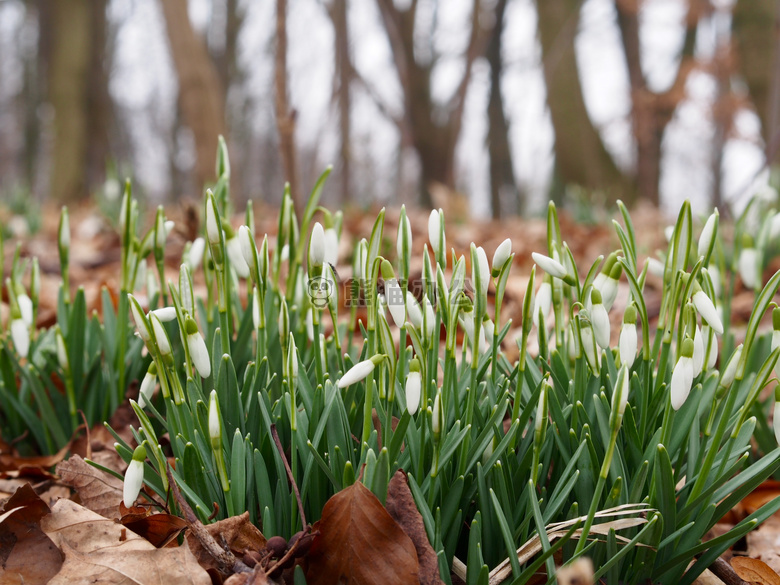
(143, 83)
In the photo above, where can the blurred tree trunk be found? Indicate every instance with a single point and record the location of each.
(68, 78)
(651, 112)
(580, 155)
(338, 14)
(285, 116)
(502, 177)
(433, 129)
(99, 103)
(200, 94)
(755, 29)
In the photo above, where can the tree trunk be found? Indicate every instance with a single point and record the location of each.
(285, 116)
(580, 155)
(344, 73)
(68, 90)
(200, 94)
(755, 41)
(502, 177)
(651, 112)
(98, 99)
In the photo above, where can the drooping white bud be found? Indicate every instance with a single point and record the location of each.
(165, 314)
(196, 253)
(236, 257)
(549, 265)
(197, 348)
(212, 227)
(706, 309)
(501, 256)
(20, 334)
(215, 424)
(627, 344)
(749, 268)
(62, 352)
(682, 376)
(331, 246)
(25, 307)
(413, 310)
(134, 477)
(141, 323)
(147, 386)
(698, 352)
(600, 320)
(160, 336)
(707, 234)
(360, 371)
(413, 390)
(435, 234)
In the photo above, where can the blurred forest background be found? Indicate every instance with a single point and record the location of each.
(488, 106)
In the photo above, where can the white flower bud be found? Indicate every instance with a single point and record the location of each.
(331, 246)
(600, 320)
(20, 334)
(706, 309)
(212, 227)
(160, 336)
(413, 311)
(317, 245)
(727, 378)
(413, 391)
(707, 234)
(139, 318)
(134, 477)
(484, 270)
(395, 301)
(682, 376)
(501, 256)
(435, 233)
(148, 385)
(776, 421)
(165, 314)
(359, 371)
(749, 269)
(215, 425)
(247, 243)
(62, 352)
(196, 253)
(404, 231)
(698, 352)
(549, 265)
(26, 308)
(197, 348)
(236, 257)
(627, 344)
(655, 267)
(542, 305)
(437, 421)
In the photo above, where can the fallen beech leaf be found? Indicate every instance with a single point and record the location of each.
(239, 533)
(10, 462)
(97, 551)
(359, 543)
(755, 571)
(27, 555)
(99, 491)
(401, 506)
(159, 529)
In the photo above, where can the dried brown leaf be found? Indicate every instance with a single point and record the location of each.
(99, 491)
(359, 543)
(159, 529)
(401, 506)
(755, 571)
(27, 555)
(239, 533)
(99, 550)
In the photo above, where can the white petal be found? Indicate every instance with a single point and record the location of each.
(212, 229)
(502, 254)
(434, 227)
(215, 428)
(331, 246)
(134, 479)
(550, 266)
(356, 373)
(413, 391)
(413, 310)
(601, 326)
(147, 389)
(237, 258)
(609, 291)
(680, 387)
(317, 245)
(26, 308)
(165, 314)
(395, 301)
(776, 421)
(199, 354)
(707, 310)
(748, 268)
(707, 234)
(159, 334)
(247, 245)
(196, 253)
(627, 344)
(20, 334)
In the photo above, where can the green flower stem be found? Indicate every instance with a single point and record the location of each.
(123, 318)
(71, 393)
(319, 366)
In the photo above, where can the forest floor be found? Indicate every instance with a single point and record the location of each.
(72, 512)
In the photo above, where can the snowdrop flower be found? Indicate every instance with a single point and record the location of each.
(196, 253)
(549, 265)
(774, 226)
(248, 248)
(381, 304)
(489, 328)
(215, 422)
(160, 233)
(627, 344)
(160, 336)
(212, 226)
(481, 269)
(599, 319)
(655, 267)
(165, 314)
(147, 386)
(331, 246)
(435, 232)
(361, 259)
(63, 235)
(541, 406)
(134, 477)
(62, 352)
(197, 347)
(140, 275)
(20, 334)
(609, 286)
(360, 371)
(141, 324)
(25, 307)
(185, 289)
(707, 237)
(727, 378)
(501, 255)
(542, 304)
(292, 361)
(413, 387)
(236, 257)
(748, 265)
(393, 294)
(698, 351)
(682, 376)
(621, 389)
(317, 245)
(706, 309)
(437, 421)
(413, 311)
(429, 320)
